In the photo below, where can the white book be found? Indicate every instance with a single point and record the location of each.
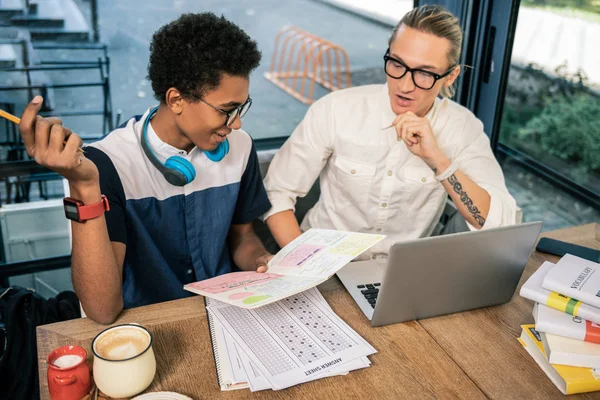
(575, 277)
(533, 290)
(549, 320)
(566, 351)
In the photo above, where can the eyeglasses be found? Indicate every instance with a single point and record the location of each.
(233, 114)
(422, 79)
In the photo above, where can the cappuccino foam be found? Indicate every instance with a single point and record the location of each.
(122, 343)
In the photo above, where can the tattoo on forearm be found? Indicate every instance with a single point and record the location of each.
(466, 200)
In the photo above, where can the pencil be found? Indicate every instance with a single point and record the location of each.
(17, 121)
(10, 117)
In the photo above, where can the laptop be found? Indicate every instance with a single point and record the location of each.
(442, 274)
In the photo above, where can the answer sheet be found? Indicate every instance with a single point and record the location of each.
(292, 341)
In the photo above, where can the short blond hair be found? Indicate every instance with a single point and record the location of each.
(439, 22)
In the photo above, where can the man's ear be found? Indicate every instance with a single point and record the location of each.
(452, 77)
(174, 100)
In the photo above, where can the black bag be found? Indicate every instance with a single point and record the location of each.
(21, 311)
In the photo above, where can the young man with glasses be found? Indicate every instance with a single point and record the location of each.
(389, 155)
(168, 198)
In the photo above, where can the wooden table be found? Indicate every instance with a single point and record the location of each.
(471, 355)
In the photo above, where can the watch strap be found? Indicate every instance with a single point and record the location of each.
(90, 211)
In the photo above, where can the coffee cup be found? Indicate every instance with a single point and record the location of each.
(68, 373)
(124, 363)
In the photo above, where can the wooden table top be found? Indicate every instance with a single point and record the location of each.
(474, 354)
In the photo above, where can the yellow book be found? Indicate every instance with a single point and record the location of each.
(569, 380)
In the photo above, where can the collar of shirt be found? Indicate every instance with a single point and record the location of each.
(164, 150)
(388, 116)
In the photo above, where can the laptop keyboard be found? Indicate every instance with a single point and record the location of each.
(370, 291)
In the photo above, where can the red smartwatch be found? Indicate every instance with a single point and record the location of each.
(75, 210)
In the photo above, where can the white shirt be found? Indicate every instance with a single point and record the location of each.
(370, 181)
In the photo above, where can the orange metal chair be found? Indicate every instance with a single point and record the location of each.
(301, 59)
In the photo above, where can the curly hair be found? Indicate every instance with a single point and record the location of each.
(192, 52)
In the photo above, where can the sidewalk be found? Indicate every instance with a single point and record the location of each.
(548, 40)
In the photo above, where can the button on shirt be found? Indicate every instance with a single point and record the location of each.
(174, 235)
(370, 182)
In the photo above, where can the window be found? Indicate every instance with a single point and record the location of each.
(550, 124)
(535, 87)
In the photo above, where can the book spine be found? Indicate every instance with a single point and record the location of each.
(588, 313)
(533, 294)
(592, 332)
(568, 326)
(563, 303)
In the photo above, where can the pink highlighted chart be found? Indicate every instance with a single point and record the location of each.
(233, 281)
(239, 295)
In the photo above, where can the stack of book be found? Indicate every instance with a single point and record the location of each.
(565, 340)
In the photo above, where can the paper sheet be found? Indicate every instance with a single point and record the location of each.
(238, 375)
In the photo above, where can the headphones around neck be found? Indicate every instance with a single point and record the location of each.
(177, 170)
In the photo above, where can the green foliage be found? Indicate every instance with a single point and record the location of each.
(559, 117)
(568, 128)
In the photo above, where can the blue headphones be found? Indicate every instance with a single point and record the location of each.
(177, 170)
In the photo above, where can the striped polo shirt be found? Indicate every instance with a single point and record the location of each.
(174, 235)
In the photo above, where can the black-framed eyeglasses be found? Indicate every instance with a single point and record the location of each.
(233, 114)
(422, 79)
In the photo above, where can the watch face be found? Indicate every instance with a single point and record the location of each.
(71, 210)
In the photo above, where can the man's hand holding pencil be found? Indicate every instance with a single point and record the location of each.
(57, 148)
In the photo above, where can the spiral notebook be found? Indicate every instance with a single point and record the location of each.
(227, 361)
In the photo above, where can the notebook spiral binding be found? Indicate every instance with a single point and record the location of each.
(213, 343)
